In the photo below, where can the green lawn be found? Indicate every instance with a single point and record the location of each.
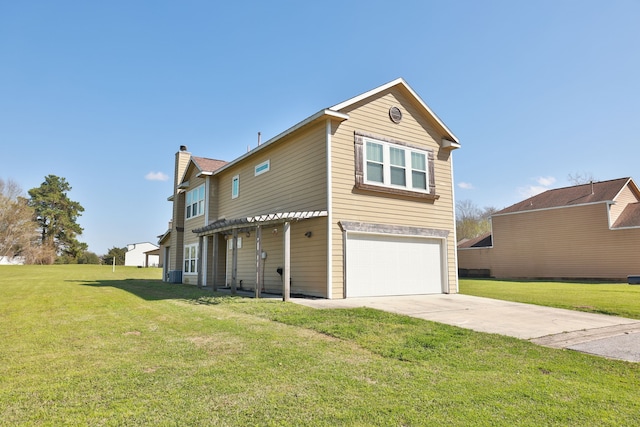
(619, 299)
(84, 346)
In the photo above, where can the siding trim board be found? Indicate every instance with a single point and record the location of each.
(329, 141)
(363, 227)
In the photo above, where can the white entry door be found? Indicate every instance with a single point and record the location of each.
(379, 265)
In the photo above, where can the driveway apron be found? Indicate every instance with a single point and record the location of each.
(598, 334)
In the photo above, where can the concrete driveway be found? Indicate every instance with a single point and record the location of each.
(598, 334)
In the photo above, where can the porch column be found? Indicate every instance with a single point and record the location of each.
(199, 263)
(205, 260)
(165, 264)
(286, 285)
(234, 261)
(259, 277)
(214, 261)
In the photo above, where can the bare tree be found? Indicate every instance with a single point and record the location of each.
(579, 178)
(471, 221)
(17, 228)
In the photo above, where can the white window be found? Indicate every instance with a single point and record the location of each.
(230, 243)
(262, 168)
(191, 259)
(195, 202)
(395, 166)
(235, 187)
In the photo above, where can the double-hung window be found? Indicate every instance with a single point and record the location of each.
(195, 202)
(191, 259)
(395, 166)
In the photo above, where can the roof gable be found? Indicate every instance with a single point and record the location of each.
(630, 216)
(449, 139)
(207, 166)
(423, 107)
(596, 192)
(483, 241)
(203, 165)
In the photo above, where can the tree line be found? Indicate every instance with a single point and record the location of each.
(43, 228)
(472, 221)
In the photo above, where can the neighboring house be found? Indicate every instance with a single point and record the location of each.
(589, 231)
(355, 200)
(142, 255)
(16, 260)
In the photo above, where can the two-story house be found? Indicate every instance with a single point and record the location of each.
(354, 200)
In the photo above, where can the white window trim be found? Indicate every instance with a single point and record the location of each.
(235, 190)
(196, 203)
(191, 261)
(263, 167)
(386, 165)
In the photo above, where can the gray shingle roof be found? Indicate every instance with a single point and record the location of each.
(208, 165)
(577, 195)
(483, 241)
(630, 216)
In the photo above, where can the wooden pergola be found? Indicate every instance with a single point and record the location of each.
(234, 227)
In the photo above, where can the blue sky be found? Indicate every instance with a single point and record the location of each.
(104, 93)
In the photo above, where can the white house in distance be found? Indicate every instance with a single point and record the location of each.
(5, 260)
(138, 255)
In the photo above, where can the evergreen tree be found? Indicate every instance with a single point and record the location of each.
(117, 253)
(56, 216)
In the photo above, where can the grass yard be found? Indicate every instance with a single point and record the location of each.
(84, 346)
(618, 299)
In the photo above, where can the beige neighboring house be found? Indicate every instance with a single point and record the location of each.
(354, 200)
(589, 231)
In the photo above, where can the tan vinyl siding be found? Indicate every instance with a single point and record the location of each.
(308, 269)
(296, 180)
(193, 222)
(246, 262)
(189, 224)
(371, 117)
(625, 197)
(309, 259)
(571, 242)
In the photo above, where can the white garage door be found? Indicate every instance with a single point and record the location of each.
(392, 265)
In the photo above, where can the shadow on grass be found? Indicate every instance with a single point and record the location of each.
(156, 290)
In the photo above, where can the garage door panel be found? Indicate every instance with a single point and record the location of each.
(392, 265)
